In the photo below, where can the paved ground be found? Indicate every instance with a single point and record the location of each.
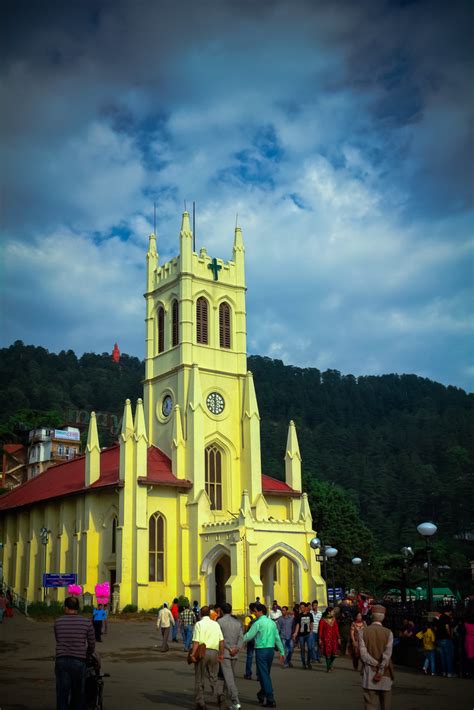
(143, 678)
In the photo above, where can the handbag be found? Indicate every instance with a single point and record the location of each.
(200, 653)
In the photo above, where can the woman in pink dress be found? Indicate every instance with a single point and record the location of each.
(469, 642)
(329, 638)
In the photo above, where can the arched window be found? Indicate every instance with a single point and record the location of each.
(224, 325)
(156, 548)
(114, 535)
(175, 323)
(213, 465)
(161, 329)
(202, 321)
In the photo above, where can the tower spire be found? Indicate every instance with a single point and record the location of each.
(251, 440)
(92, 469)
(195, 396)
(195, 430)
(177, 445)
(141, 440)
(238, 255)
(139, 423)
(293, 459)
(185, 224)
(186, 243)
(238, 240)
(151, 262)
(127, 421)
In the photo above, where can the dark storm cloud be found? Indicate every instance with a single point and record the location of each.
(340, 132)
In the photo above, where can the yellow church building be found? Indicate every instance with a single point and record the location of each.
(180, 506)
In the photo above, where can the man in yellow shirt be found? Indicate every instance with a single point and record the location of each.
(209, 633)
(248, 621)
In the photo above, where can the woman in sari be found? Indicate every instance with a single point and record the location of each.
(329, 638)
(356, 626)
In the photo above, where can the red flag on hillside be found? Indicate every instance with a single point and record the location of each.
(116, 353)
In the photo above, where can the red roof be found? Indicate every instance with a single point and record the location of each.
(68, 478)
(159, 471)
(12, 448)
(275, 487)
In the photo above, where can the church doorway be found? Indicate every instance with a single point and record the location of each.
(280, 576)
(221, 574)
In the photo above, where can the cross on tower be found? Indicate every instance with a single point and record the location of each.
(215, 268)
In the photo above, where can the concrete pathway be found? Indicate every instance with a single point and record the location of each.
(143, 678)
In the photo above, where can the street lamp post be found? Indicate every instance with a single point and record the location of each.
(407, 553)
(427, 530)
(329, 552)
(356, 561)
(44, 537)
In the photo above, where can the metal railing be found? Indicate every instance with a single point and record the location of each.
(18, 601)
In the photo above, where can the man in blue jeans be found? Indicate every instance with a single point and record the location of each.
(303, 632)
(285, 629)
(444, 640)
(266, 636)
(187, 620)
(75, 639)
(314, 643)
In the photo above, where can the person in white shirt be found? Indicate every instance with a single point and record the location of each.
(206, 633)
(314, 646)
(165, 622)
(275, 611)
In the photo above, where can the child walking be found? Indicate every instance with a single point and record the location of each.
(427, 635)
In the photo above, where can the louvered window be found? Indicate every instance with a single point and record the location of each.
(224, 325)
(213, 468)
(161, 329)
(156, 548)
(202, 321)
(175, 323)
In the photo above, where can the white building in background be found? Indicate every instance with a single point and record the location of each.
(50, 446)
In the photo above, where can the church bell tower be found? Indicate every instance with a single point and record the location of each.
(200, 400)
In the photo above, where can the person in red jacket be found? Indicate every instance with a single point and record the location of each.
(175, 613)
(329, 638)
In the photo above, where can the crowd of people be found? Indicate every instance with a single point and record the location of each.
(213, 638)
(447, 642)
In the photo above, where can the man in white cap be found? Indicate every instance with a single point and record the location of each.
(375, 643)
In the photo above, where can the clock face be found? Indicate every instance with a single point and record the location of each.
(167, 405)
(215, 403)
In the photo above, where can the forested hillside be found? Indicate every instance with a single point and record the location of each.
(400, 447)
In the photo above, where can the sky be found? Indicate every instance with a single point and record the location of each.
(340, 132)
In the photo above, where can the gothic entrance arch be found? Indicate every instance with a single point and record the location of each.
(281, 569)
(216, 567)
(222, 574)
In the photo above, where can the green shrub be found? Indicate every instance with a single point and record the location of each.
(154, 610)
(182, 601)
(130, 609)
(42, 609)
